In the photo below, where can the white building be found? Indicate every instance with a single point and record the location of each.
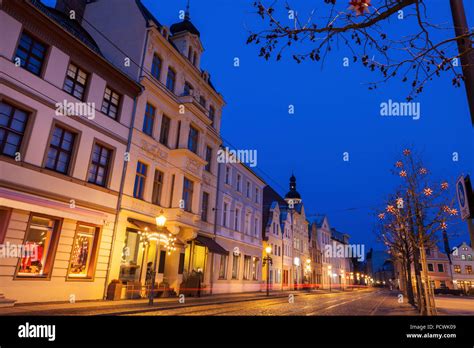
(238, 230)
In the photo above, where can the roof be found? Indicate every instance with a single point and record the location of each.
(185, 25)
(339, 236)
(147, 14)
(319, 221)
(70, 25)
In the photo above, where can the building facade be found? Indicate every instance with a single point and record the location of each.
(172, 168)
(238, 231)
(65, 116)
(439, 269)
(462, 267)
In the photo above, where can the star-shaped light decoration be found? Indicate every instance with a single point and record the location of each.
(423, 171)
(403, 173)
(453, 211)
(406, 152)
(390, 209)
(381, 216)
(444, 185)
(444, 225)
(399, 202)
(427, 191)
(359, 6)
(399, 164)
(446, 209)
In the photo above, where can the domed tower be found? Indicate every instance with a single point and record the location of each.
(186, 38)
(293, 197)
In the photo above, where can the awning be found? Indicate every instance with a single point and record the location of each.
(211, 244)
(143, 226)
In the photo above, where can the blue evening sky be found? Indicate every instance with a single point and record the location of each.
(334, 113)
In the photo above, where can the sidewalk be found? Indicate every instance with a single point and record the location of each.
(102, 307)
(390, 306)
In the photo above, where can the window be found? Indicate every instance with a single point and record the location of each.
(442, 284)
(224, 214)
(12, 128)
(248, 189)
(202, 101)
(76, 81)
(212, 114)
(130, 265)
(156, 67)
(247, 223)
(149, 120)
(188, 194)
(256, 227)
(190, 52)
(463, 257)
(171, 80)
(257, 195)
(237, 219)
(208, 158)
(469, 257)
(188, 89)
(165, 130)
(247, 260)
(193, 139)
(239, 182)
(223, 267)
(227, 175)
(84, 252)
(255, 268)
(430, 267)
(205, 206)
(440, 267)
(428, 252)
(100, 164)
(40, 238)
(157, 187)
(235, 266)
(4, 220)
(140, 179)
(60, 150)
(31, 53)
(161, 262)
(111, 102)
(468, 269)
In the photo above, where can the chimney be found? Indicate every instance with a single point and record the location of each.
(78, 6)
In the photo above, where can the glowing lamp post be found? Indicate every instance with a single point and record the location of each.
(160, 222)
(267, 260)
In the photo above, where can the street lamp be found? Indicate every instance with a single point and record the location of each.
(160, 222)
(267, 260)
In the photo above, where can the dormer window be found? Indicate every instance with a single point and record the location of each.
(194, 58)
(190, 53)
(212, 114)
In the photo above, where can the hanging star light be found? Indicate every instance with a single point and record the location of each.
(403, 173)
(453, 212)
(423, 171)
(406, 152)
(399, 164)
(444, 185)
(444, 225)
(381, 216)
(427, 191)
(390, 209)
(359, 6)
(446, 209)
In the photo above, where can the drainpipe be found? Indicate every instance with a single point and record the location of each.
(124, 172)
(215, 224)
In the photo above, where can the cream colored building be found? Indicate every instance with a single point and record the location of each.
(60, 175)
(462, 264)
(172, 167)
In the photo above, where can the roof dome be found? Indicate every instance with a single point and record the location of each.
(293, 194)
(185, 25)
